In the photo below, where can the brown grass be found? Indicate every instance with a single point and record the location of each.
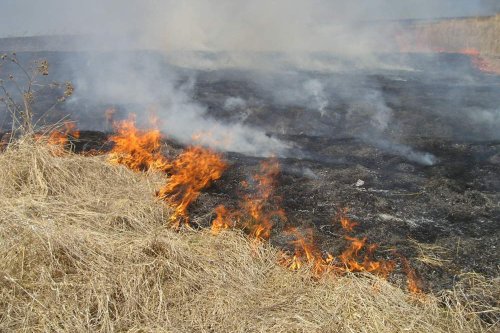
(83, 248)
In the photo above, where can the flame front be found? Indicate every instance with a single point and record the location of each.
(196, 168)
(193, 170)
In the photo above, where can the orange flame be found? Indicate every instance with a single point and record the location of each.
(223, 220)
(259, 210)
(345, 222)
(59, 137)
(307, 252)
(262, 207)
(413, 282)
(350, 260)
(137, 149)
(480, 62)
(193, 170)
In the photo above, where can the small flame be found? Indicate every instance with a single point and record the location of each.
(307, 252)
(193, 170)
(59, 137)
(139, 150)
(345, 222)
(350, 260)
(413, 282)
(262, 207)
(223, 221)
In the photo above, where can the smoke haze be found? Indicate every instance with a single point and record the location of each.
(291, 36)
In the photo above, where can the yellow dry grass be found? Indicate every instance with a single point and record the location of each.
(84, 248)
(480, 33)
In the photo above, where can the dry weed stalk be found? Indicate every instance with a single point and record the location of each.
(18, 92)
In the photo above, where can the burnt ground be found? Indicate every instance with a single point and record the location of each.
(444, 217)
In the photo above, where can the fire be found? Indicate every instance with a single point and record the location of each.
(306, 252)
(345, 222)
(223, 220)
(259, 210)
(139, 150)
(193, 170)
(196, 168)
(59, 136)
(482, 63)
(262, 207)
(413, 282)
(350, 260)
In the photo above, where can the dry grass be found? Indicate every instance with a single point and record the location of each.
(454, 35)
(83, 247)
(430, 254)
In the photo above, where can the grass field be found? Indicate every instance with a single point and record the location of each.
(84, 247)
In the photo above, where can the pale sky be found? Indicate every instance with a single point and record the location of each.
(35, 17)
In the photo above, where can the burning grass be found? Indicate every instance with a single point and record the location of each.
(84, 247)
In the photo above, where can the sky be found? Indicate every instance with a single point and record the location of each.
(42, 17)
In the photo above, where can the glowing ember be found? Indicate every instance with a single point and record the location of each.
(137, 149)
(193, 170)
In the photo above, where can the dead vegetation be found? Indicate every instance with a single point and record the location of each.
(454, 35)
(84, 247)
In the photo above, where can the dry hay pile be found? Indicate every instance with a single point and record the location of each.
(84, 247)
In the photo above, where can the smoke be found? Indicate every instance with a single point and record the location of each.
(295, 39)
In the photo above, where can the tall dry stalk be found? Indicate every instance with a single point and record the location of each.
(18, 92)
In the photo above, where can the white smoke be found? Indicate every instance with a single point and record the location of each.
(260, 34)
(315, 90)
